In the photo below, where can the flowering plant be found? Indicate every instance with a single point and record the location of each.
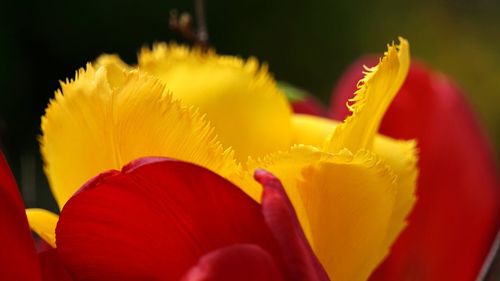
(194, 166)
(350, 188)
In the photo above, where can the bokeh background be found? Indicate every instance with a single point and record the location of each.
(307, 43)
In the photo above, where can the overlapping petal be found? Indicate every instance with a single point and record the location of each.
(399, 155)
(300, 261)
(240, 98)
(344, 202)
(351, 189)
(457, 215)
(172, 219)
(109, 116)
(153, 220)
(168, 220)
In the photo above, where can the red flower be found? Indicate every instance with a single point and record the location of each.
(457, 215)
(161, 219)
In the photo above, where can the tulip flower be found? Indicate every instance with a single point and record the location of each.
(457, 216)
(351, 188)
(161, 219)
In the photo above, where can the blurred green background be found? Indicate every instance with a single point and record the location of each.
(307, 43)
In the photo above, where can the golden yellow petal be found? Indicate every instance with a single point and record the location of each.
(43, 223)
(344, 202)
(349, 205)
(92, 125)
(374, 95)
(311, 130)
(400, 155)
(240, 98)
(290, 163)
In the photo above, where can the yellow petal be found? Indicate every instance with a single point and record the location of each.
(240, 98)
(115, 68)
(400, 155)
(374, 95)
(349, 205)
(290, 163)
(311, 130)
(43, 223)
(344, 202)
(94, 124)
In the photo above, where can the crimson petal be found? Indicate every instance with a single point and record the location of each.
(18, 258)
(154, 220)
(457, 215)
(300, 261)
(242, 262)
(52, 268)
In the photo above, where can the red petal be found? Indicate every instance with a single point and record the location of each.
(18, 259)
(300, 261)
(52, 268)
(242, 262)
(154, 220)
(458, 211)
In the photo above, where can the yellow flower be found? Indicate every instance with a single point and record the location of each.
(240, 98)
(351, 188)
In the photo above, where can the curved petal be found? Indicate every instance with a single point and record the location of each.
(287, 166)
(344, 203)
(300, 261)
(374, 95)
(43, 223)
(242, 262)
(240, 98)
(98, 122)
(154, 220)
(400, 155)
(18, 259)
(455, 220)
(347, 84)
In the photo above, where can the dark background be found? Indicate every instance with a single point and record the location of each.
(307, 43)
